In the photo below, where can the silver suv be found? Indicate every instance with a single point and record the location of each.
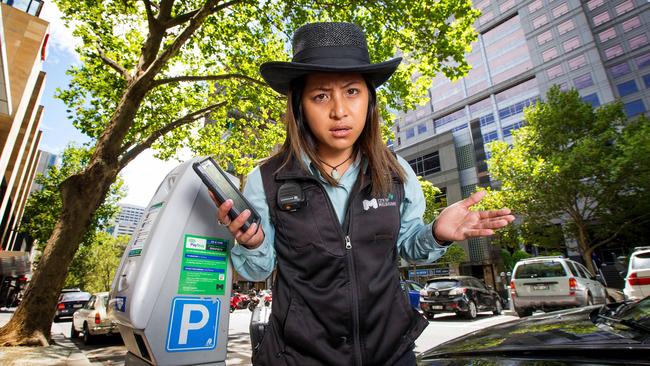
(550, 283)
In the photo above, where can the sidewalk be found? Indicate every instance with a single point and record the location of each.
(62, 351)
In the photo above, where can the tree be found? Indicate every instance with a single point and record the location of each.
(97, 263)
(152, 71)
(573, 162)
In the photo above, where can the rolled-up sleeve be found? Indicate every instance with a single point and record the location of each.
(416, 243)
(256, 264)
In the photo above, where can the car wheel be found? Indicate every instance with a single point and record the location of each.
(497, 307)
(88, 338)
(523, 312)
(74, 333)
(471, 310)
(590, 300)
(429, 316)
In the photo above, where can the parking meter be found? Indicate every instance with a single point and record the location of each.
(170, 295)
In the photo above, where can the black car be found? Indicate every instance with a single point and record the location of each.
(616, 333)
(69, 302)
(463, 295)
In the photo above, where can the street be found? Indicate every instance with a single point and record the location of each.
(111, 351)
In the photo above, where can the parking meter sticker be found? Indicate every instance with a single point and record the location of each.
(193, 324)
(119, 303)
(145, 227)
(135, 252)
(203, 269)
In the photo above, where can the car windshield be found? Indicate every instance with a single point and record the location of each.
(540, 270)
(639, 312)
(434, 285)
(75, 296)
(640, 261)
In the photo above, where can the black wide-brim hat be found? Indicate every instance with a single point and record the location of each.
(327, 47)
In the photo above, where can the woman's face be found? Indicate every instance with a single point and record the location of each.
(335, 106)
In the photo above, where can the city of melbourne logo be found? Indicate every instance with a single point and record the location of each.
(376, 203)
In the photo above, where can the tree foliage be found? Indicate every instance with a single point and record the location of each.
(95, 264)
(577, 164)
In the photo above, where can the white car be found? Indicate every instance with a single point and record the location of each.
(92, 320)
(637, 281)
(551, 283)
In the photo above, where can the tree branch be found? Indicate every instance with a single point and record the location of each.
(189, 118)
(151, 18)
(177, 79)
(113, 64)
(637, 220)
(180, 19)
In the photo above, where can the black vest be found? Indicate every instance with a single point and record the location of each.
(337, 298)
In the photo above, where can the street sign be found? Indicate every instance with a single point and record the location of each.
(193, 324)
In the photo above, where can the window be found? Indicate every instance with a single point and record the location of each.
(560, 10)
(554, 72)
(614, 51)
(465, 156)
(426, 165)
(583, 81)
(439, 122)
(619, 70)
(638, 41)
(642, 61)
(422, 128)
(459, 128)
(607, 34)
(516, 108)
(540, 21)
(627, 88)
(646, 80)
(410, 133)
(592, 99)
(549, 54)
(491, 136)
(631, 23)
(571, 44)
(634, 108)
(507, 131)
(567, 26)
(577, 62)
(507, 5)
(544, 37)
(601, 18)
(593, 4)
(486, 120)
(534, 6)
(624, 7)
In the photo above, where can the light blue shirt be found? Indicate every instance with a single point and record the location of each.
(415, 242)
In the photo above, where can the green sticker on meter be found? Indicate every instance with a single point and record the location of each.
(204, 266)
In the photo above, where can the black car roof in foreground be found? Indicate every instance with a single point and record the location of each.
(557, 333)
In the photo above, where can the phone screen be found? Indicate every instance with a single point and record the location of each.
(224, 185)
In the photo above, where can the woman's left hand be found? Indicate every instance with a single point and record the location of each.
(457, 222)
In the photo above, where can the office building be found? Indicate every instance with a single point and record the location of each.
(23, 44)
(127, 220)
(599, 47)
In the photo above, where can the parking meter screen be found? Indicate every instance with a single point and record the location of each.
(222, 187)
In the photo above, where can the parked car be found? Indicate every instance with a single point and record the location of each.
(637, 281)
(92, 319)
(68, 303)
(611, 334)
(413, 290)
(552, 283)
(463, 295)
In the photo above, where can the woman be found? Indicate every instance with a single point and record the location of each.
(338, 210)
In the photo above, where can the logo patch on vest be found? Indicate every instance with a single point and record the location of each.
(379, 202)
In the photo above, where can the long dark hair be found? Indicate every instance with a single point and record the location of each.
(381, 162)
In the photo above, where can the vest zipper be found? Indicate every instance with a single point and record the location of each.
(358, 360)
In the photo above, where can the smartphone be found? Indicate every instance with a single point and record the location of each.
(222, 188)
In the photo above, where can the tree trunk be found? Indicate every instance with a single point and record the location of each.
(585, 249)
(81, 195)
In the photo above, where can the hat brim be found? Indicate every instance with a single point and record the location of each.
(279, 75)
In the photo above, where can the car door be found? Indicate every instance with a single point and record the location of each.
(596, 288)
(484, 295)
(81, 315)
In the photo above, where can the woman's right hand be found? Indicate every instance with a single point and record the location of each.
(251, 238)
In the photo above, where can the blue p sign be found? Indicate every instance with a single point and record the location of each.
(193, 324)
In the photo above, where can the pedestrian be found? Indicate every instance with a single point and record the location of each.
(338, 209)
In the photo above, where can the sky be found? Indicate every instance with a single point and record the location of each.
(143, 175)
